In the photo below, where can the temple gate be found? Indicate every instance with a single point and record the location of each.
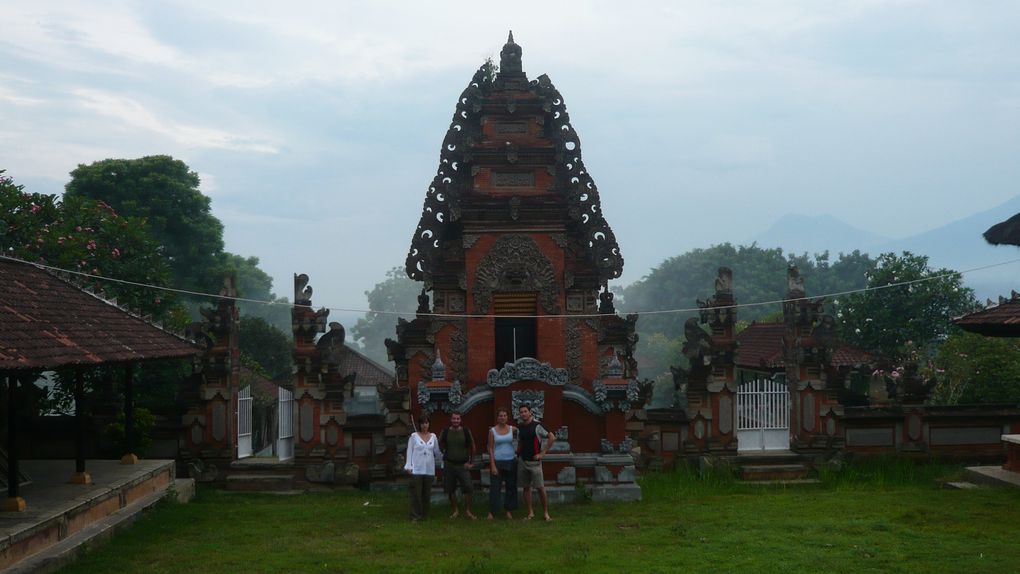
(514, 249)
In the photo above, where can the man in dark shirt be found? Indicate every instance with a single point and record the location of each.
(458, 448)
(530, 451)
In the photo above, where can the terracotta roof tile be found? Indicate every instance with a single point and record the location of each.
(46, 323)
(761, 346)
(369, 372)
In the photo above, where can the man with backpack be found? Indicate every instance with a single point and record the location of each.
(458, 448)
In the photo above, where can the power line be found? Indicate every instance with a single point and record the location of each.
(476, 316)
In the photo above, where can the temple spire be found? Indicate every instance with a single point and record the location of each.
(510, 58)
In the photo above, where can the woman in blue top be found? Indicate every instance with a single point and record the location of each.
(502, 465)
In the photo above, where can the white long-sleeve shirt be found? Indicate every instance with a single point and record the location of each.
(423, 454)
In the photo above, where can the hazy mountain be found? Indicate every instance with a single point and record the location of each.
(957, 245)
(960, 246)
(797, 233)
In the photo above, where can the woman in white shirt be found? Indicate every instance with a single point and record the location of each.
(422, 454)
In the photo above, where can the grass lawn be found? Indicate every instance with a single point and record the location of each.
(883, 517)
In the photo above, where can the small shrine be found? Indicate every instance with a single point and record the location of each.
(514, 256)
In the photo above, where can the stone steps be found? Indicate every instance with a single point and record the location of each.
(260, 482)
(773, 472)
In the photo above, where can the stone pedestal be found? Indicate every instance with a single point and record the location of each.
(15, 504)
(83, 478)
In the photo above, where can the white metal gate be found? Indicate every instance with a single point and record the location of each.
(244, 422)
(285, 441)
(763, 416)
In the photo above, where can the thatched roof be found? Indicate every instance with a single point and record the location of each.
(1005, 233)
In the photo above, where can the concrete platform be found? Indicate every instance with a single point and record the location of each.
(992, 475)
(57, 511)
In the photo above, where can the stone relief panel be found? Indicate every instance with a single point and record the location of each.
(515, 264)
(533, 399)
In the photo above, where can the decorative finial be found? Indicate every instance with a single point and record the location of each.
(510, 58)
(438, 368)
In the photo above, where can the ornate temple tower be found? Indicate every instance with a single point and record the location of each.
(513, 247)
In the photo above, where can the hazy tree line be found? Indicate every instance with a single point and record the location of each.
(909, 323)
(145, 220)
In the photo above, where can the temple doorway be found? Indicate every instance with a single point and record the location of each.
(763, 416)
(265, 422)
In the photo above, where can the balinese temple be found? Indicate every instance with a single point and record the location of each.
(512, 251)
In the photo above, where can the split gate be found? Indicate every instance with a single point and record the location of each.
(244, 420)
(285, 440)
(763, 416)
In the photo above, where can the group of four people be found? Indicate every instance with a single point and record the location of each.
(515, 458)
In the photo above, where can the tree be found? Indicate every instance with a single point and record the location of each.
(972, 369)
(163, 191)
(917, 310)
(395, 294)
(91, 237)
(268, 346)
(254, 283)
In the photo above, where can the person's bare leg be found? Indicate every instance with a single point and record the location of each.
(453, 503)
(542, 494)
(467, 507)
(527, 503)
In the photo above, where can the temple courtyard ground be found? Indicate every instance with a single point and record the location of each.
(884, 516)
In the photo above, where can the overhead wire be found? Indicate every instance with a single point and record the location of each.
(479, 316)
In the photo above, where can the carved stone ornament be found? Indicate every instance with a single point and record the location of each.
(535, 400)
(574, 350)
(515, 264)
(526, 369)
(454, 176)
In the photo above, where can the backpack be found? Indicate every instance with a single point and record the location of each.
(469, 441)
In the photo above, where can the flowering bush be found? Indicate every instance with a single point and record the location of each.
(88, 237)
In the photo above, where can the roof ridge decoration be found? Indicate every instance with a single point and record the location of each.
(453, 177)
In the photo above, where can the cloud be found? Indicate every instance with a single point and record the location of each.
(133, 114)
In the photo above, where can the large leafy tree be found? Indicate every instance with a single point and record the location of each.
(165, 192)
(395, 294)
(88, 236)
(906, 302)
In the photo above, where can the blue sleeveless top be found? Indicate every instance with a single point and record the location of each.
(503, 445)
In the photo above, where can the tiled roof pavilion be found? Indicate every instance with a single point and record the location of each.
(48, 323)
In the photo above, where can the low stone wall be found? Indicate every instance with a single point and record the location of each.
(965, 433)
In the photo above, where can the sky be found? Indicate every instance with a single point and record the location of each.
(316, 126)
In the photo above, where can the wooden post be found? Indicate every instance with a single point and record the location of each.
(80, 476)
(129, 417)
(14, 502)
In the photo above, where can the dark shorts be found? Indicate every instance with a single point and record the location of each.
(455, 474)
